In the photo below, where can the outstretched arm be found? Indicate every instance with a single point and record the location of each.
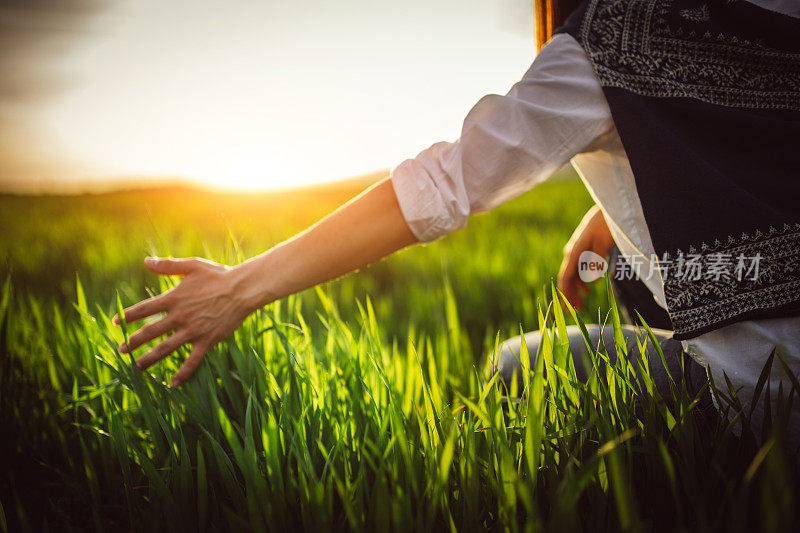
(213, 300)
(508, 144)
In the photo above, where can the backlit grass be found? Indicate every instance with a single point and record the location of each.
(362, 405)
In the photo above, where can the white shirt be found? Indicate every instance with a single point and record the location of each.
(555, 114)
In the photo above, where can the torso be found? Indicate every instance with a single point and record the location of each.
(739, 350)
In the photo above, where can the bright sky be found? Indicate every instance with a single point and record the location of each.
(266, 94)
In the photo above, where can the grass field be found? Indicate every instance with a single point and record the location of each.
(366, 404)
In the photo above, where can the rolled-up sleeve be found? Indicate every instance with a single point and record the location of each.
(508, 144)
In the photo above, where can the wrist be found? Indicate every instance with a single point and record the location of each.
(251, 286)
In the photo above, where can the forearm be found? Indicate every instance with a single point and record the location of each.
(366, 229)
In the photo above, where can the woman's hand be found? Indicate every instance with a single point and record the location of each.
(213, 300)
(592, 234)
(202, 310)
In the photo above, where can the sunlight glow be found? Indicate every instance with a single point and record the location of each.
(253, 95)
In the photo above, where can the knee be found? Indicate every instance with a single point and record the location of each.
(507, 359)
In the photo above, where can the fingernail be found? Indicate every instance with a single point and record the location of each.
(138, 365)
(123, 348)
(150, 260)
(177, 382)
(115, 320)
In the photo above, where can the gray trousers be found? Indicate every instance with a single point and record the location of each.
(507, 360)
(634, 299)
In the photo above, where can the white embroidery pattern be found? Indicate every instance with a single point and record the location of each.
(696, 305)
(634, 45)
(650, 48)
(701, 14)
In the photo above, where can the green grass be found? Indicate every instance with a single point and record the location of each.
(363, 405)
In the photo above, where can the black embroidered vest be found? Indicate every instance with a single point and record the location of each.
(706, 99)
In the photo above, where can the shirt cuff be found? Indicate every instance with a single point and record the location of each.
(421, 203)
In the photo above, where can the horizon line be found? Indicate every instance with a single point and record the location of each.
(54, 187)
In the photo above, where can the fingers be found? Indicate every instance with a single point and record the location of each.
(569, 283)
(143, 309)
(189, 366)
(171, 267)
(157, 304)
(163, 349)
(573, 297)
(572, 291)
(146, 334)
(168, 346)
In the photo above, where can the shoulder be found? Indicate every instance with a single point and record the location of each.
(561, 57)
(562, 75)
